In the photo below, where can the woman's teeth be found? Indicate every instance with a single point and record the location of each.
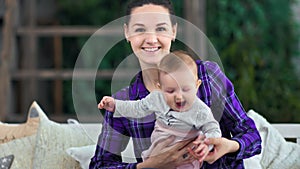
(151, 49)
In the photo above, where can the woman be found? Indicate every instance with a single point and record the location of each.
(150, 31)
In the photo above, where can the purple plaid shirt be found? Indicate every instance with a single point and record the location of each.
(216, 91)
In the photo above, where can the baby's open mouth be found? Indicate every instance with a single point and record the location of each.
(180, 104)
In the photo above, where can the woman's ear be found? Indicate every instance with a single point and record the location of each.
(198, 83)
(174, 29)
(125, 27)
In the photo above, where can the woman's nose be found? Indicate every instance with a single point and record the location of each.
(151, 37)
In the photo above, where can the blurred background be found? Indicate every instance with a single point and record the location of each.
(40, 40)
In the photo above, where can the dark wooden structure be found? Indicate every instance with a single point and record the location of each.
(22, 75)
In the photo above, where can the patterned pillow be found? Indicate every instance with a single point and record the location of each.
(5, 162)
(23, 147)
(14, 131)
(53, 139)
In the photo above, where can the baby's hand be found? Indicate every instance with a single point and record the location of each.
(200, 149)
(107, 103)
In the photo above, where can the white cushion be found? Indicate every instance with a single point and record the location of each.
(84, 154)
(276, 151)
(53, 139)
(23, 147)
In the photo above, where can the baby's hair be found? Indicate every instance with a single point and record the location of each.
(175, 60)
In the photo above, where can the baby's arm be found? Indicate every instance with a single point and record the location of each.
(124, 108)
(154, 102)
(210, 128)
(107, 103)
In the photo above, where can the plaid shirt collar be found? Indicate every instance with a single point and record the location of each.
(137, 89)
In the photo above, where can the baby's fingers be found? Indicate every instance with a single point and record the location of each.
(202, 152)
(100, 105)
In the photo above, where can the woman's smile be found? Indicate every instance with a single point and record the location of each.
(151, 49)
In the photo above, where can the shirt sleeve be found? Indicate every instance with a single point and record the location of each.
(234, 118)
(210, 126)
(154, 102)
(111, 142)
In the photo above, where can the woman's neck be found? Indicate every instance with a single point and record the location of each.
(150, 78)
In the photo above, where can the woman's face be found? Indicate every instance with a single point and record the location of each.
(150, 33)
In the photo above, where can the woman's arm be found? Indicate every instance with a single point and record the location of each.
(234, 119)
(112, 141)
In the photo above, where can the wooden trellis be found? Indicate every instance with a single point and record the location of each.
(19, 70)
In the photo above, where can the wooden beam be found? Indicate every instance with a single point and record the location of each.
(67, 31)
(69, 74)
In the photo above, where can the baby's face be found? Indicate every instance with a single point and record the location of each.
(179, 88)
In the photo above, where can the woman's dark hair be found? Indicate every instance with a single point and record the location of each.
(138, 3)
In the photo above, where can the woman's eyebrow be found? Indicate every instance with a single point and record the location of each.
(161, 24)
(138, 24)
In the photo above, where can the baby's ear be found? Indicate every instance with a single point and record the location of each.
(158, 85)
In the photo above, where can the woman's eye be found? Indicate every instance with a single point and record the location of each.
(160, 29)
(140, 30)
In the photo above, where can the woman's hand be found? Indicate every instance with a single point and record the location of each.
(168, 157)
(222, 146)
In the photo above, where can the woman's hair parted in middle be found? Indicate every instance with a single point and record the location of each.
(138, 3)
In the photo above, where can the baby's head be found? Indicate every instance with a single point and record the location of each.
(178, 80)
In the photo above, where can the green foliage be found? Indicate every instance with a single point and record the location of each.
(89, 12)
(256, 42)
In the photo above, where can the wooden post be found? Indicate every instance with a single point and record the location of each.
(194, 12)
(5, 58)
(4, 89)
(29, 87)
(58, 86)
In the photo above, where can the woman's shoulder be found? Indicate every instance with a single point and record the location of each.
(122, 94)
(130, 92)
(208, 65)
(210, 69)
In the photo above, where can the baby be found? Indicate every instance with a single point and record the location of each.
(179, 112)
